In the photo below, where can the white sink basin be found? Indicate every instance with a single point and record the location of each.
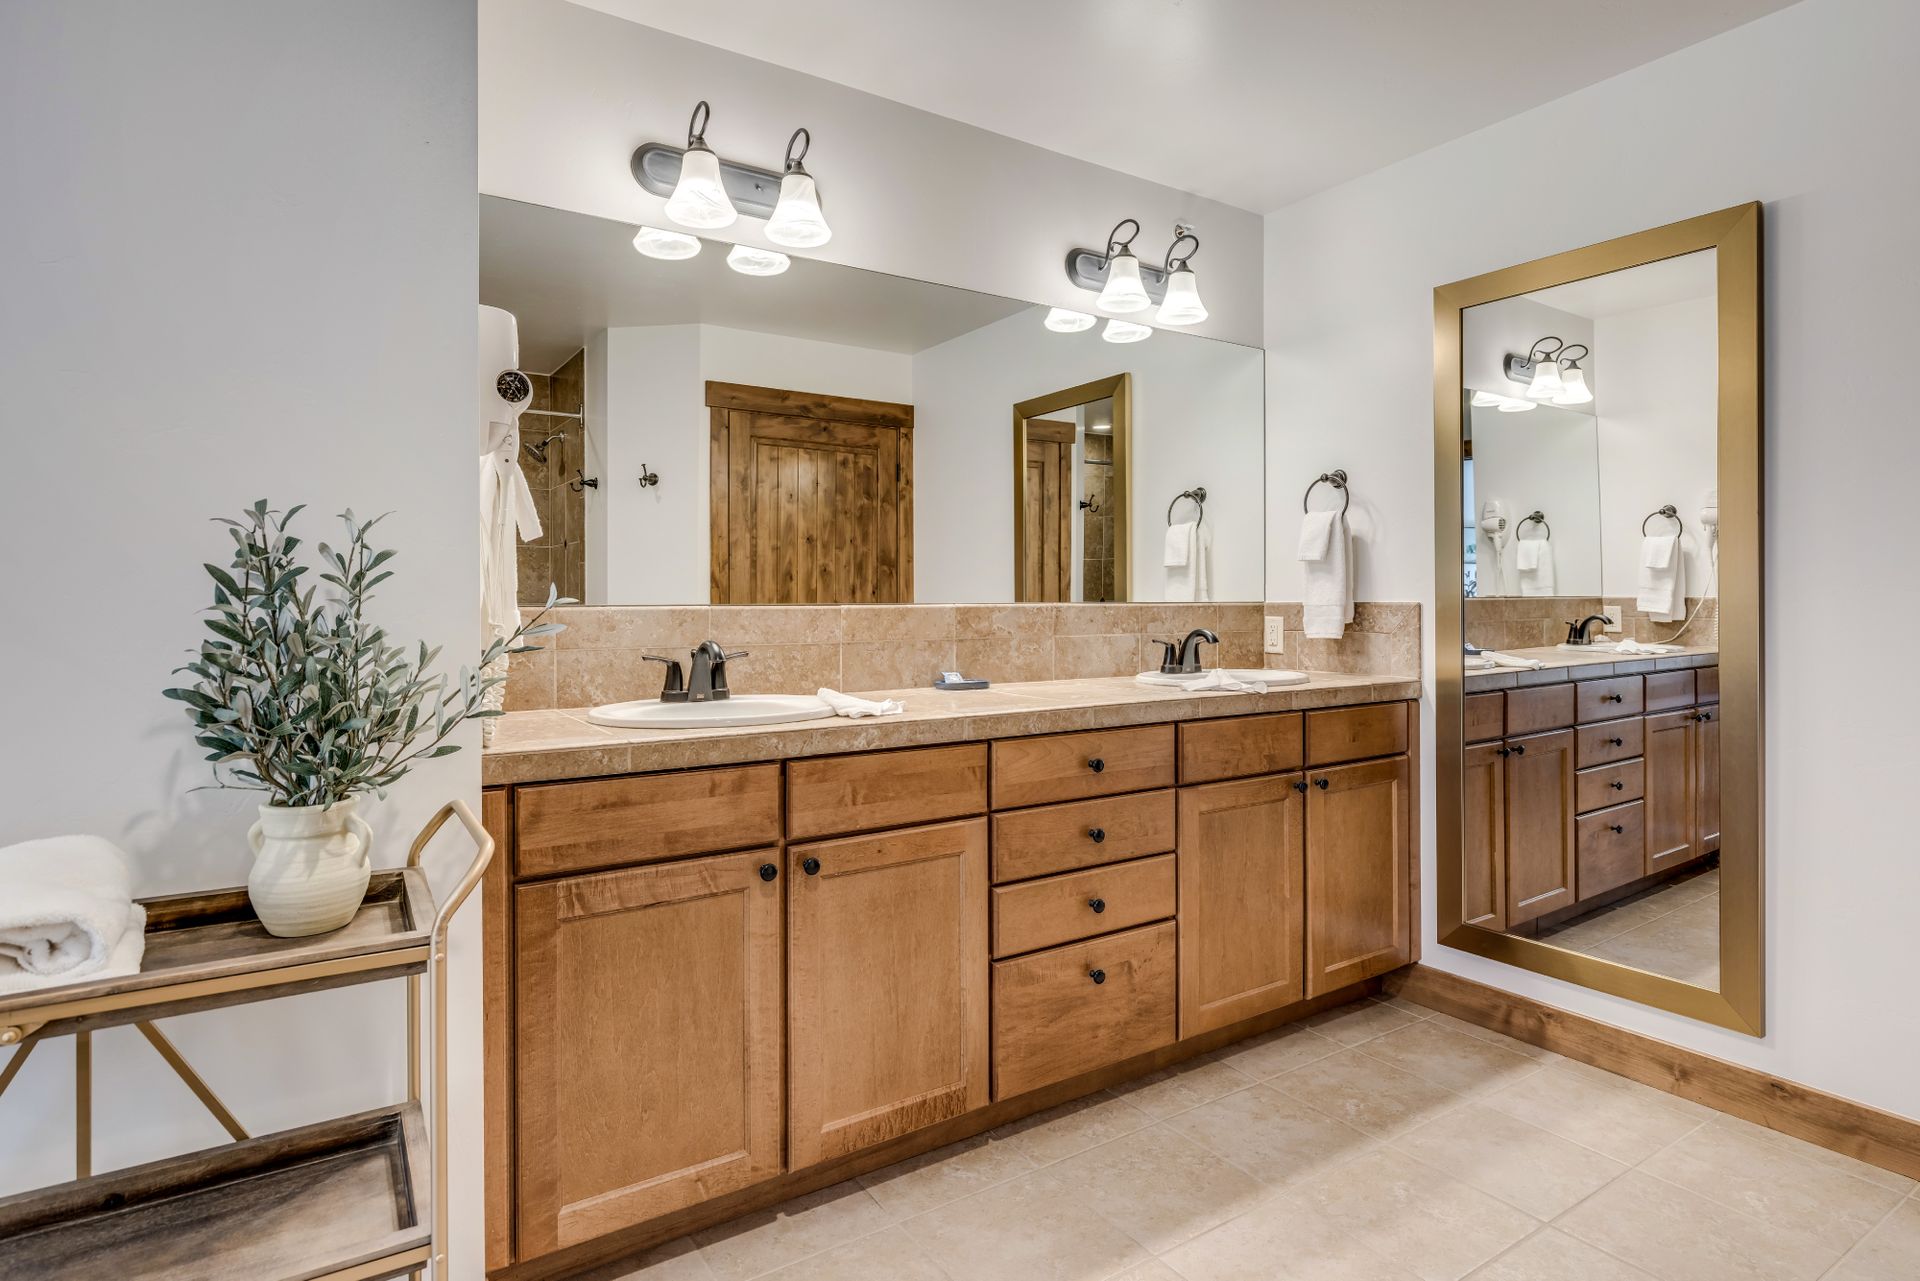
(741, 709)
(1267, 676)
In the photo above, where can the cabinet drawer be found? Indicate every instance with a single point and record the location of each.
(1605, 785)
(1706, 684)
(830, 795)
(1667, 691)
(1356, 733)
(1067, 767)
(1073, 1009)
(1240, 747)
(1486, 717)
(569, 827)
(1612, 845)
(1077, 905)
(1609, 741)
(1606, 700)
(1539, 707)
(1061, 838)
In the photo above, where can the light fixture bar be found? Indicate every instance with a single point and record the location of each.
(754, 192)
(1087, 268)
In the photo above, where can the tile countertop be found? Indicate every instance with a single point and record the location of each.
(533, 747)
(1558, 664)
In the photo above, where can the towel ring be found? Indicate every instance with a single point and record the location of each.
(1199, 496)
(1534, 516)
(1670, 514)
(1338, 479)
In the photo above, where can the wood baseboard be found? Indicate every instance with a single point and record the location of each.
(1879, 1138)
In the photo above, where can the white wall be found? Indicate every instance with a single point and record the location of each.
(1197, 420)
(1546, 459)
(1795, 110)
(567, 94)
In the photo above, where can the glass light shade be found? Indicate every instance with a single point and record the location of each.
(699, 199)
(1546, 382)
(749, 261)
(1515, 405)
(1123, 291)
(1062, 321)
(797, 221)
(1126, 331)
(1573, 387)
(671, 245)
(1182, 305)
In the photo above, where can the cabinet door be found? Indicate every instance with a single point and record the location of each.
(1541, 853)
(1357, 843)
(1706, 779)
(648, 1042)
(887, 973)
(1672, 752)
(1483, 837)
(1240, 870)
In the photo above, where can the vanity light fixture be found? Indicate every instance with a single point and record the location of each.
(1124, 291)
(699, 197)
(1551, 371)
(673, 246)
(1126, 331)
(1505, 404)
(797, 221)
(1182, 305)
(749, 261)
(1125, 286)
(1573, 379)
(1062, 321)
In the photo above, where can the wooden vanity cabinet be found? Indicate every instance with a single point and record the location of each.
(1540, 830)
(1242, 879)
(1358, 888)
(1672, 752)
(1483, 836)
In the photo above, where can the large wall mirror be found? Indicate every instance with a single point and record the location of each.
(1597, 446)
(726, 426)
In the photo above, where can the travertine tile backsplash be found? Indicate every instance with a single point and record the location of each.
(871, 647)
(1519, 622)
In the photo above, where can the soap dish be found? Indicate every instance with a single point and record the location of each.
(954, 680)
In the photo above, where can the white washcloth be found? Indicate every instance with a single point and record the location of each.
(1656, 550)
(1179, 547)
(1487, 658)
(1316, 534)
(67, 913)
(1644, 647)
(1533, 560)
(1327, 607)
(1663, 588)
(1217, 679)
(1194, 579)
(848, 705)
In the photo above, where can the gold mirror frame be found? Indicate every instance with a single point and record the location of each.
(1735, 235)
(1119, 389)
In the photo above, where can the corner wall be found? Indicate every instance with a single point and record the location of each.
(1800, 110)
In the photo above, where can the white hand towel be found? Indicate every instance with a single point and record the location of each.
(855, 708)
(1217, 679)
(67, 913)
(1644, 647)
(1656, 550)
(1328, 604)
(1316, 534)
(1494, 658)
(1179, 546)
(1663, 588)
(1194, 580)
(1533, 559)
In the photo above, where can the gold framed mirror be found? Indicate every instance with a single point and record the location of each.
(1600, 796)
(1073, 493)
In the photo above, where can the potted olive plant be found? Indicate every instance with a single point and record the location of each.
(298, 695)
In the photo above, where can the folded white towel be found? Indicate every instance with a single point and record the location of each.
(848, 705)
(1316, 534)
(67, 913)
(1194, 579)
(1656, 550)
(1179, 546)
(1217, 679)
(1533, 562)
(1644, 647)
(1663, 588)
(1527, 555)
(1494, 658)
(1327, 605)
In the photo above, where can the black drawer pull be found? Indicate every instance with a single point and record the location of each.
(1618, 742)
(1097, 834)
(1615, 827)
(811, 867)
(1098, 976)
(1616, 698)
(1096, 764)
(1617, 785)
(768, 871)
(1097, 904)
(1322, 784)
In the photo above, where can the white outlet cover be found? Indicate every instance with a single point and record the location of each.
(1276, 636)
(1615, 611)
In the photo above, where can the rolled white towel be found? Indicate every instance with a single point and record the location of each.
(67, 913)
(855, 708)
(1494, 658)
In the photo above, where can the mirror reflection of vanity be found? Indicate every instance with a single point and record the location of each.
(1597, 438)
(828, 435)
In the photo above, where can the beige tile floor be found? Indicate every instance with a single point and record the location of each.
(1672, 930)
(1376, 1142)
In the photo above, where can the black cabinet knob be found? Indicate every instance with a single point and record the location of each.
(1097, 904)
(1322, 784)
(1704, 716)
(1096, 764)
(1098, 976)
(1503, 751)
(1617, 785)
(768, 871)
(1519, 749)
(810, 866)
(1299, 787)
(1616, 827)
(1616, 698)
(1618, 742)
(1097, 834)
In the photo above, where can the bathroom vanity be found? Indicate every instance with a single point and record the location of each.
(742, 964)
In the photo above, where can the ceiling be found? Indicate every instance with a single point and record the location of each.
(1256, 103)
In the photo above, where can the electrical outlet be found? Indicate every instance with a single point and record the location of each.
(1615, 611)
(1276, 640)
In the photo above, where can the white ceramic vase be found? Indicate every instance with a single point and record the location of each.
(310, 867)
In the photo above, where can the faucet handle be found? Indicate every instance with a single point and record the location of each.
(675, 689)
(1169, 656)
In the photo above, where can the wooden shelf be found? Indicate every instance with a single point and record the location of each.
(208, 950)
(343, 1200)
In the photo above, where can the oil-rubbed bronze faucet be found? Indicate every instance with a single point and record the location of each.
(708, 681)
(1190, 648)
(1577, 632)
